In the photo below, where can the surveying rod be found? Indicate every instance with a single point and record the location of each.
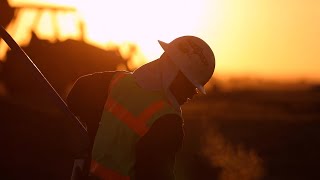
(79, 140)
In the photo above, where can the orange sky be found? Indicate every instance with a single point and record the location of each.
(265, 38)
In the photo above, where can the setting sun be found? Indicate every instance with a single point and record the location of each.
(91, 92)
(142, 21)
(260, 39)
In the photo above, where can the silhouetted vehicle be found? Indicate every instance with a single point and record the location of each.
(7, 13)
(61, 63)
(39, 141)
(40, 138)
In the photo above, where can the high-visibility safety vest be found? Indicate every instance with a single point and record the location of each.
(128, 114)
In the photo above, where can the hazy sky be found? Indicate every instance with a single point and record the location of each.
(278, 39)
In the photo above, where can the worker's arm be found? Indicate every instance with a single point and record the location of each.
(156, 151)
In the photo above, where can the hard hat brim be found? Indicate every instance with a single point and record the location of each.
(163, 45)
(201, 89)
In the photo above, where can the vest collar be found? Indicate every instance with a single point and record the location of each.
(158, 75)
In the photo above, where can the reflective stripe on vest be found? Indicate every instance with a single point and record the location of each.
(105, 173)
(136, 123)
(127, 116)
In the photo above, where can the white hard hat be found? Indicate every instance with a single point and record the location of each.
(193, 57)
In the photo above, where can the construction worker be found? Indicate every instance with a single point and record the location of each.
(134, 119)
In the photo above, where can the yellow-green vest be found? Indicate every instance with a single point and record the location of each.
(128, 114)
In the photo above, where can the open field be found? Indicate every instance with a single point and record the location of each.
(252, 134)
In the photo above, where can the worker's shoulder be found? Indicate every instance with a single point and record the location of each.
(97, 77)
(91, 82)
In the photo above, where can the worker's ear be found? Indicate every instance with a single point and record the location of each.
(182, 82)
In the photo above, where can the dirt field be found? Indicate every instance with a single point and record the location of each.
(239, 134)
(252, 134)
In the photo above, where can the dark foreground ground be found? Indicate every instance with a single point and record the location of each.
(252, 134)
(229, 135)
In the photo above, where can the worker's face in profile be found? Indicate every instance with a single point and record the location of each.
(182, 88)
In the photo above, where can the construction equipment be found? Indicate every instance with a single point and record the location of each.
(77, 138)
